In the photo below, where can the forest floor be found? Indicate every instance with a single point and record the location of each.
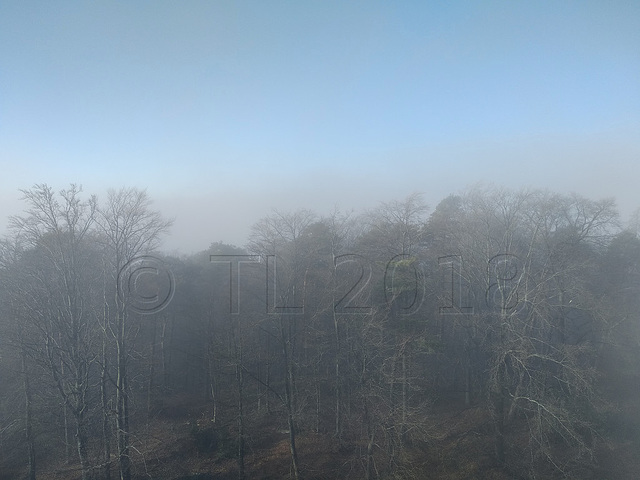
(181, 442)
(189, 446)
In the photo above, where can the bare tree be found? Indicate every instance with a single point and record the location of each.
(19, 335)
(394, 240)
(278, 238)
(534, 315)
(56, 229)
(130, 229)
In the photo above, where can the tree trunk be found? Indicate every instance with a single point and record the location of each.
(67, 440)
(240, 386)
(317, 402)
(81, 438)
(467, 386)
(336, 326)
(106, 428)
(370, 466)
(65, 421)
(498, 416)
(467, 377)
(150, 384)
(403, 425)
(212, 385)
(122, 402)
(288, 388)
(28, 427)
(239, 378)
(267, 379)
(163, 355)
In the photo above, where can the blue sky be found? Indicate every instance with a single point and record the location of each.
(224, 110)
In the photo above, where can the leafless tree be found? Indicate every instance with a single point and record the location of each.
(130, 229)
(56, 229)
(538, 249)
(278, 239)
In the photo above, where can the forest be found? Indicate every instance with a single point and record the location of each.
(494, 335)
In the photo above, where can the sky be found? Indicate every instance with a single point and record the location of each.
(224, 111)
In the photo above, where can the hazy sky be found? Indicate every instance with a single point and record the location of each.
(225, 110)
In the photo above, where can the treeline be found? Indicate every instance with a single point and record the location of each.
(357, 327)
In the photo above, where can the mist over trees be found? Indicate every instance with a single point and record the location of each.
(493, 335)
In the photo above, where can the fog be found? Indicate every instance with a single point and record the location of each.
(445, 145)
(223, 112)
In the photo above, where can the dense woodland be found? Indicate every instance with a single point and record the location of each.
(495, 335)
